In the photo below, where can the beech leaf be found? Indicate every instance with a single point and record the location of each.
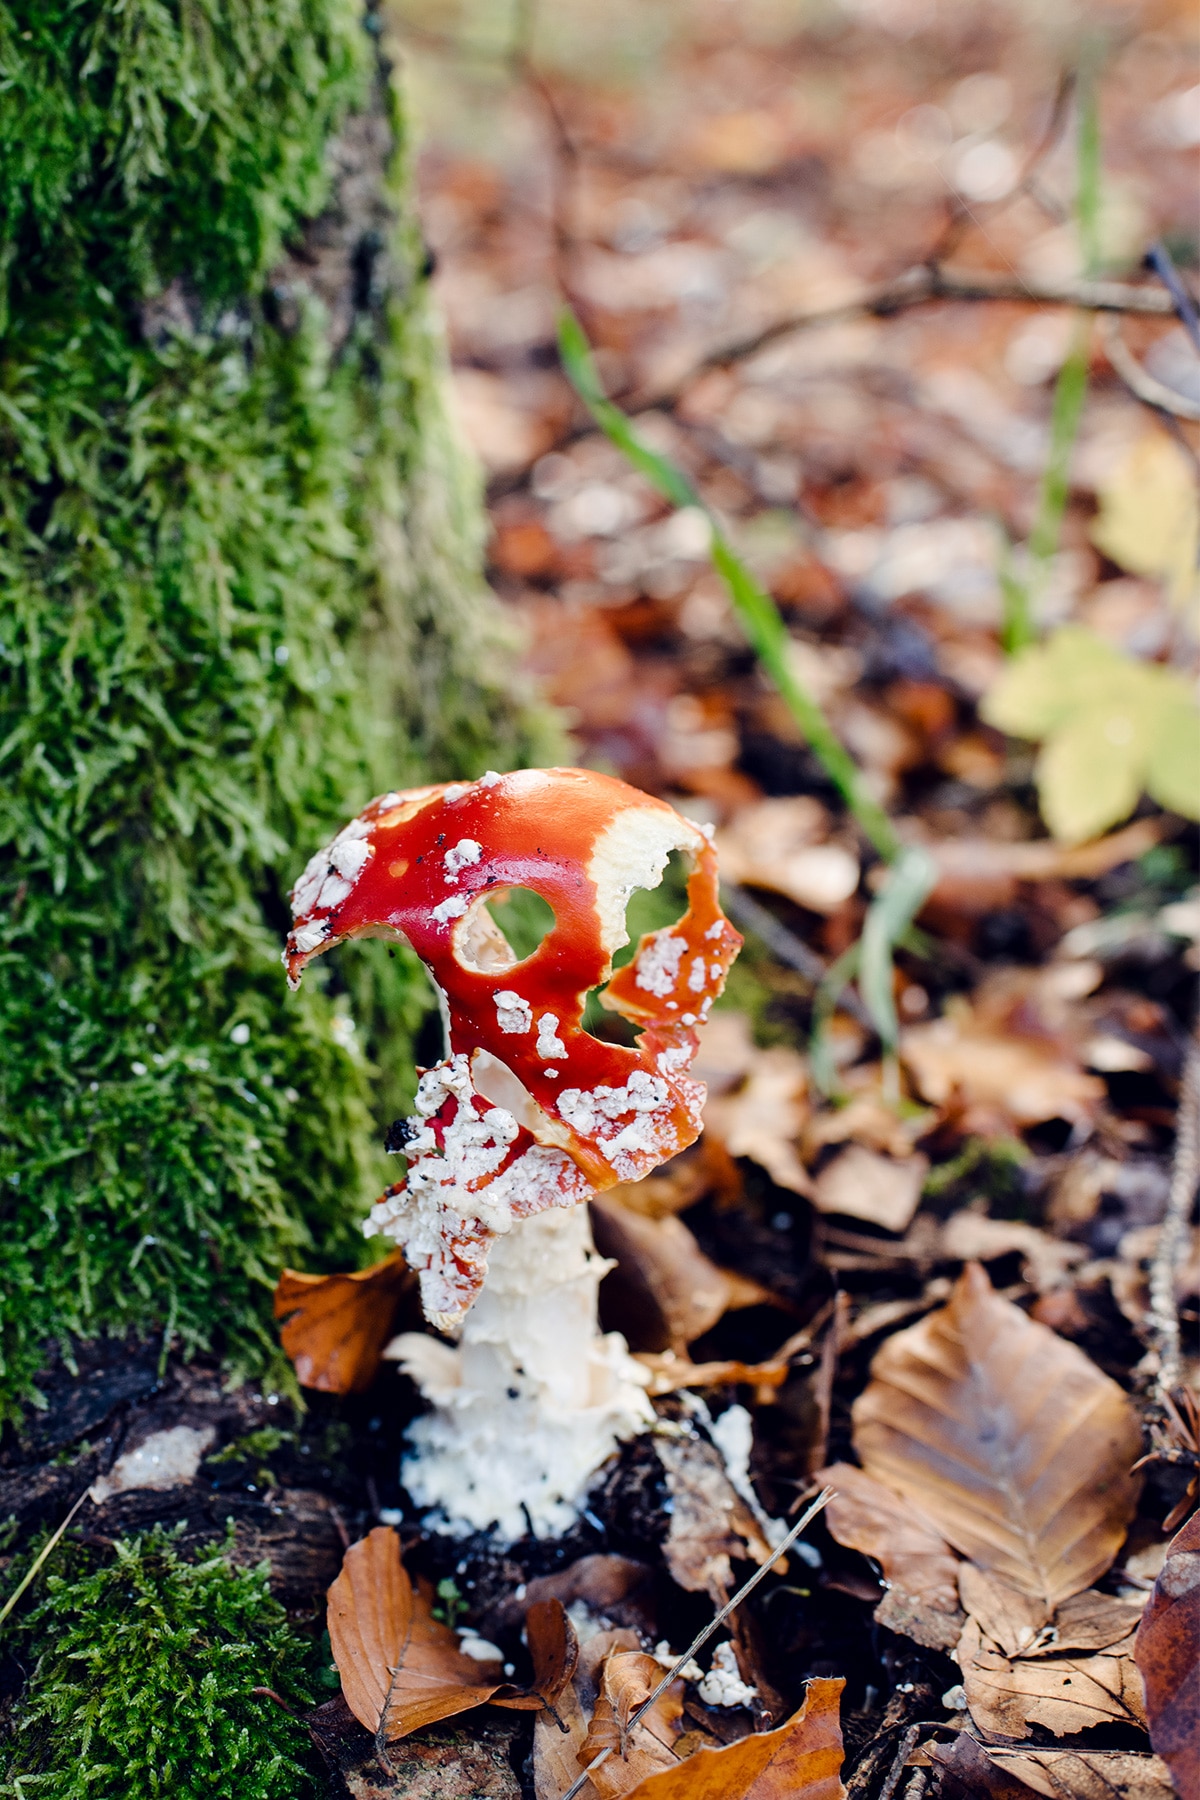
(400, 1667)
(1062, 1693)
(800, 1760)
(337, 1325)
(664, 1291)
(1168, 1654)
(918, 1564)
(1010, 1440)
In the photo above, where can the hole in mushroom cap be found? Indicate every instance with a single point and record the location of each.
(648, 909)
(497, 1083)
(503, 928)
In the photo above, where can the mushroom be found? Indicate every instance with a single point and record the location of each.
(527, 1114)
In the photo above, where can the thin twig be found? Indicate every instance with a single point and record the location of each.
(1159, 258)
(41, 1556)
(701, 1638)
(1172, 1240)
(904, 1750)
(920, 286)
(1139, 381)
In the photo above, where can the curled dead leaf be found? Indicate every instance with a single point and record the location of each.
(664, 1291)
(972, 1771)
(1168, 1654)
(336, 1325)
(1009, 1439)
(710, 1522)
(779, 844)
(628, 1679)
(918, 1564)
(401, 1668)
(763, 1116)
(868, 1184)
(800, 1760)
(1064, 1694)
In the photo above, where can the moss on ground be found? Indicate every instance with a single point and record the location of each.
(239, 594)
(143, 1671)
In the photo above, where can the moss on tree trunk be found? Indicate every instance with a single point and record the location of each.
(239, 593)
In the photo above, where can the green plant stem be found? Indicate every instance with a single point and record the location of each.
(757, 611)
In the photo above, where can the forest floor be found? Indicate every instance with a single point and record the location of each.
(694, 177)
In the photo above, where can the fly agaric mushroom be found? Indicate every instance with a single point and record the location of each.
(528, 1114)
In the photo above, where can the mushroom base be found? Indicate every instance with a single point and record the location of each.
(534, 1398)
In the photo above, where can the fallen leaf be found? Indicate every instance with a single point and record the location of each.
(1087, 1774)
(778, 844)
(999, 1078)
(165, 1459)
(628, 1678)
(669, 1372)
(969, 1769)
(600, 1581)
(554, 1652)
(800, 1760)
(1009, 1439)
(918, 1564)
(865, 1184)
(336, 1325)
(1062, 1693)
(401, 1668)
(1010, 1619)
(977, 875)
(1148, 521)
(866, 1118)
(664, 1291)
(1087, 1621)
(969, 1236)
(710, 1522)
(764, 1116)
(1168, 1654)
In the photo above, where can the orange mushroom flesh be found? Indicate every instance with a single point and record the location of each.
(565, 1113)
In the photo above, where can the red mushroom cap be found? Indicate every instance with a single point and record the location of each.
(581, 1114)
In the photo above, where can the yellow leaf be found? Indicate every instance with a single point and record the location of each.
(1173, 775)
(1149, 518)
(1046, 684)
(1089, 772)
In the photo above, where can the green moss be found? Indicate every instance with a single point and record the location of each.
(239, 594)
(142, 1676)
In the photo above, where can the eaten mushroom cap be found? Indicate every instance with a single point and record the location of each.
(528, 1110)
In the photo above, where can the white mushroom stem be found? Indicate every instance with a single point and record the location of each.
(534, 1398)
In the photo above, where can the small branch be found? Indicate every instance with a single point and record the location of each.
(43, 1553)
(783, 944)
(1139, 381)
(921, 286)
(904, 1750)
(1172, 1241)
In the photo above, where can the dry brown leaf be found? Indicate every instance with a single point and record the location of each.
(338, 1324)
(800, 1760)
(863, 1184)
(664, 1291)
(989, 868)
(1062, 1693)
(400, 1667)
(918, 1564)
(669, 1372)
(866, 1118)
(628, 1678)
(1168, 1655)
(556, 1745)
(763, 1118)
(710, 1522)
(970, 1769)
(969, 1236)
(779, 844)
(1087, 1774)
(1011, 1056)
(1009, 1439)
(1087, 1621)
(1010, 1619)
